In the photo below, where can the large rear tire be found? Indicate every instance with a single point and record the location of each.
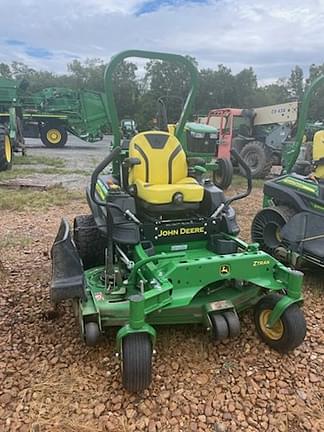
(6, 150)
(53, 136)
(258, 158)
(89, 241)
(223, 176)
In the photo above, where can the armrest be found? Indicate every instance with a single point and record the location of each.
(131, 161)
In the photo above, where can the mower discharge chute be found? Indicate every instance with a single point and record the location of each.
(160, 247)
(291, 224)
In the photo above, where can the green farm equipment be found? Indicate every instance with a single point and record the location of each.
(11, 136)
(161, 248)
(291, 224)
(199, 142)
(53, 112)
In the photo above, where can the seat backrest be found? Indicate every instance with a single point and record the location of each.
(318, 153)
(163, 160)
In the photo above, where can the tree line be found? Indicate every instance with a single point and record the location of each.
(136, 94)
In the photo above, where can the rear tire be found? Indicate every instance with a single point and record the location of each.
(267, 224)
(258, 158)
(288, 332)
(136, 361)
(223, 176)
(89, 241)
(53, 136)
(6, 150)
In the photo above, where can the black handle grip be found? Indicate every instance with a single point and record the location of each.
(94, 177)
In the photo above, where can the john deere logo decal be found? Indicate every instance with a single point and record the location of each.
(225, 269)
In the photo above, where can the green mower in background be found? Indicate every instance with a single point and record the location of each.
(291, 224)
(200, 142)
(161, 248)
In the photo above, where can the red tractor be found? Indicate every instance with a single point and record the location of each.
(257, 134)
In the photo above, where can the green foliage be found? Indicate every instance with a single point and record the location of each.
(296, 82)
(136, 96)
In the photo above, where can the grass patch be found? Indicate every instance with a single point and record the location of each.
(240, 181)
(23, 199)
(35, 160)
(18, 172)
(13, 240)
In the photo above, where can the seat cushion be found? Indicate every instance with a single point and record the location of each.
(164, 193)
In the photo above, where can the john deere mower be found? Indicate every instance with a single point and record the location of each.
(291, 224)
(160, 248)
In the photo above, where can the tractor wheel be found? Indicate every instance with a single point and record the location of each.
(53, 136)
(222, 177)
(258, 158)
(136, 361)
(91, 333)
(220, 326)
(267, 224)
(6, 151)
(89, 241)
(288, 332)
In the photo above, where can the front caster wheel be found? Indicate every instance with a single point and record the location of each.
(288, 332)
(91, 333)
(136, 361)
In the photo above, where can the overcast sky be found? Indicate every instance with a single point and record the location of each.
(270, 35)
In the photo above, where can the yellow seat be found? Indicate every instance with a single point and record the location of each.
(163, 171)
(318, 154)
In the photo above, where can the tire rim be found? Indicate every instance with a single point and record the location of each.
(7, 149)
(275, 332)
(252, 160)
(54, 136)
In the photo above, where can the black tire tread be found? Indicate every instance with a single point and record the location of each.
(4, 164)
(220, 326)
(233, 323)
(267, 161)
(137, 362)
(43, 131)
(89, 241)
(293, 320)
(226, 174)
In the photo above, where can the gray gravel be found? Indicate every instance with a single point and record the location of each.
(79, 156)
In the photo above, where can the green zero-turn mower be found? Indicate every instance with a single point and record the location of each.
(291, 224)
(161, 248)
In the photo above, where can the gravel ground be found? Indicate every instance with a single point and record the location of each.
(77, 154)
(52, 382)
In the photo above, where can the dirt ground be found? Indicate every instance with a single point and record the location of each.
(50, 381)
